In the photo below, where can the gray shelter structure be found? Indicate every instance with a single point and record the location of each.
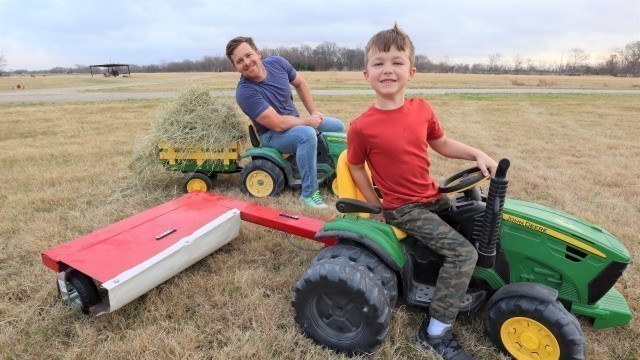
(112, 69)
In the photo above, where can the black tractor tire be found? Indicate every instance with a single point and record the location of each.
(262, 178)
(522, 326)
(362, 256)
(197, 182)
(341, 305)
(82, 290)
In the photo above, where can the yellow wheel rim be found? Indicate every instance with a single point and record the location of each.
(259, 183)
(334, 186)
(526, 339)
(196, 185)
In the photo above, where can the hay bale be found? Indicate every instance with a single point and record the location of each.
(192, 121)
(195, 118)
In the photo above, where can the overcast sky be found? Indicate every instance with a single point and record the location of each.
(39, 34)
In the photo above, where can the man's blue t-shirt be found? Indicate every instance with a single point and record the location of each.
(274, 90)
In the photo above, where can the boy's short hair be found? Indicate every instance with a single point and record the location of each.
(385, 39)
(233, 44)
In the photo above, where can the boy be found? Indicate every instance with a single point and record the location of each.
(392, 136)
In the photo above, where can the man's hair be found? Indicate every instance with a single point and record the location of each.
(385, 39)
(233, 44)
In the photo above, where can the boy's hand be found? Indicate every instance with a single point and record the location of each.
(486, 164)
(378, 217)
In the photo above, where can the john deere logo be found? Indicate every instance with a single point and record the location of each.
(562, 237)
(524, 223)
(336, 139)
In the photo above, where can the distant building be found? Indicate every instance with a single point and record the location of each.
(110, 69)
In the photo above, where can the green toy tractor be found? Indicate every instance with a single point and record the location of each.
(537, 268)
(269, 170)
(265, 175)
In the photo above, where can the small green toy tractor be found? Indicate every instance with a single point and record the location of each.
(265, 175)
(269, 170)
(537, 267)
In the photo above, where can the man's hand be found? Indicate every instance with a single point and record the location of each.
(315, 120)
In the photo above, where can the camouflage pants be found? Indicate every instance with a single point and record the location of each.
(420, 221)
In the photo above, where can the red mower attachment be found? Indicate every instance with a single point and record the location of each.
(102, 271)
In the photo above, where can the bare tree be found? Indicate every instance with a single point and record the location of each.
(576, 58)
(3, 62)
(518, 63)
(611, 64)
(325, 56)
(351, 59)
(632, 59)
(531, 67)
(423, 64)
(444, 65)
(494, 62)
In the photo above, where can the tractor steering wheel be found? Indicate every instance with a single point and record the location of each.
(462, 181)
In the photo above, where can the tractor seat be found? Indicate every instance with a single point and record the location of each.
(255, 139)
(347, 190)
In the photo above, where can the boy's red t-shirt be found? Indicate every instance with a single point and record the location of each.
(394, 144)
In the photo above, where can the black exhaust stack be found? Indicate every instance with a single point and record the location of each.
(487, 232)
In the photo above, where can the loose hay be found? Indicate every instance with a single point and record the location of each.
(192, 121)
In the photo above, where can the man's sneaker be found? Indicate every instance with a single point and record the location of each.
(315, 200)
(446, 345)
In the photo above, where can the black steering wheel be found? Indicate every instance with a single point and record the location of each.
(462, 181)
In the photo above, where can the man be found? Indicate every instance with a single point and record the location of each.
(264, 94)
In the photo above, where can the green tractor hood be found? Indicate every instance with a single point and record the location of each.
(566, 228)
(580, 260)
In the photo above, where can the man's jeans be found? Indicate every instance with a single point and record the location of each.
(302, 141)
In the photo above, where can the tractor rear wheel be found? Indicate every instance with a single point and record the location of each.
(197, 182)
(362, 256)
(262, 178)
(528, 328)
(341, 305)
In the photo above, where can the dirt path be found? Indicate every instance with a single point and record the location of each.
(73, 94)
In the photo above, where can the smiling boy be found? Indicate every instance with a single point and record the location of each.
(392, 137)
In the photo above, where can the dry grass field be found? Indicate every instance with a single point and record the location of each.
(65, 172)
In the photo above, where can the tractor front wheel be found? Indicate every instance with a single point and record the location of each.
(341, 305)
(528, 328)
(262, 178)
(362, 256)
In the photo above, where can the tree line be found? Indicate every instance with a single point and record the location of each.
(328, 56)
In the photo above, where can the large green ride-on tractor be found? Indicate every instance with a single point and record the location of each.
(537, 268)
(269, 171)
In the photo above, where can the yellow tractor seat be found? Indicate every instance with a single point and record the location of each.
(347, 189)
